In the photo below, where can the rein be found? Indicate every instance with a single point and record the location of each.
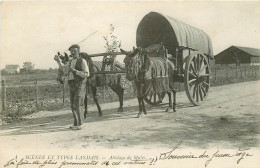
(137, 65)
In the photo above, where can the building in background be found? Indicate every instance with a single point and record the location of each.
(239, 55)
(12, 69)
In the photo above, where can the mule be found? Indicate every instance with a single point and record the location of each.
(151, 75)
(93, 82)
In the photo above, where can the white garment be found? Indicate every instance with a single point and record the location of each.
(85, 70)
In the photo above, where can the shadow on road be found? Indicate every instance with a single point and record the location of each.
(195, 130)
(200, 131)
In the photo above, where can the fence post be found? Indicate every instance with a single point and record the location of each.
(245, 72)
(236, 71)
(63, 94)
(3, 95)
(228, 71)
(36, 94)
(215, 73)
(241, 71)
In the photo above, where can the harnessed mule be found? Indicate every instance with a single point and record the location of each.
(151, 75)
(93, 81)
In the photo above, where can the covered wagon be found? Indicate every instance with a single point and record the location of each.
(189, 48)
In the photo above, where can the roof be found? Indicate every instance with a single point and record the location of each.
(156, 28)
(11, 66)
(252, 51)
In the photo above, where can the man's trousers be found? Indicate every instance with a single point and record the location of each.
(77, 95)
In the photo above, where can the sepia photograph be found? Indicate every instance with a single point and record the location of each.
(129, 84)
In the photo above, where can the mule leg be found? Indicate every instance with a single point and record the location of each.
(120, 93)
(86, 106)
(86, 101)
(160, 97)
(94, 92)
(143, 105)
(139, 95)
(140, 107)
(174, 100)
(170, 102)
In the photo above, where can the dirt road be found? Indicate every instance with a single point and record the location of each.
(228, 119)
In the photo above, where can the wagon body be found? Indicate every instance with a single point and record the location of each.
(190, 49)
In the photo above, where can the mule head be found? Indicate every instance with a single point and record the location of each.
(136, 62)
(65, 58)
(63, 62)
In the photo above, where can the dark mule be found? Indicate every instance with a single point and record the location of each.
(94, 80)
(151, 75)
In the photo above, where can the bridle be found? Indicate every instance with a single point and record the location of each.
(136, 63)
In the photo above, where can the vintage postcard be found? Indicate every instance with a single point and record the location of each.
(129, 84)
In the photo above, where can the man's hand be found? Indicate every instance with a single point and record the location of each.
(56, 58)
(73, 70)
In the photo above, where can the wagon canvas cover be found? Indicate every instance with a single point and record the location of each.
(156, 28)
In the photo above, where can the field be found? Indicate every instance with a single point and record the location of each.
(28, 93)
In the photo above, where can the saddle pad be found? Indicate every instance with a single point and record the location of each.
(157, 69)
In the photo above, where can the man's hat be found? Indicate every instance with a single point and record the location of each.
(74, 46)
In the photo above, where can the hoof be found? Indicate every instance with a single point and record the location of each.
(100, 115)
(145, 112)
(174, 110)
(168, 109)
(85, 115)
(139, 115)
(120, 109)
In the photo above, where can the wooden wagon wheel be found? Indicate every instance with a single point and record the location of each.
(196, 78)
(154, 99)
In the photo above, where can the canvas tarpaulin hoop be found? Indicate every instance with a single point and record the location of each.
(156, 28)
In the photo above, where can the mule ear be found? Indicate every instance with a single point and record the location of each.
(58, 53)
(135, 52)
(123, 51)
(66, 56)
(133, 48)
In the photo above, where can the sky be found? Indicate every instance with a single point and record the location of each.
(36, 31)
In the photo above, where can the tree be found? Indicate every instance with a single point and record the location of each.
(28, 66)
(112, 44)
(4, 72)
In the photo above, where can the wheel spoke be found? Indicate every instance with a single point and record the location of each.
(201, 61)
(192, 74)
(198, 63)
(197, 93)
(154, 98)
(205, 75)
(194, 90)
(193, 69)
(203, 68)
(194, 64)
(192, 80)
(203, 90)
(201, 97)
(191, 88)
(204, 86)
(206, 83)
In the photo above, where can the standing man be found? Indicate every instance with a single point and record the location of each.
(77, 79)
